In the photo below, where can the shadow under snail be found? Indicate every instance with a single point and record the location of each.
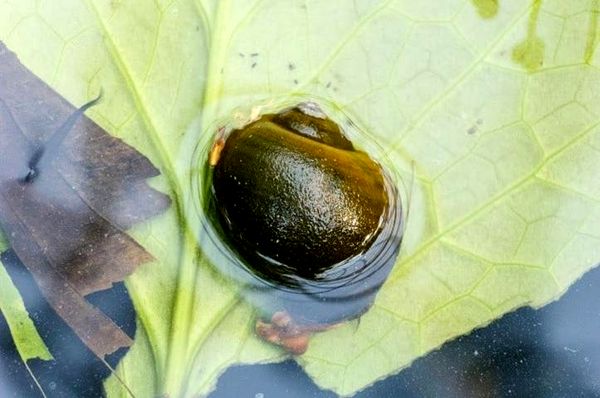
(316, 223)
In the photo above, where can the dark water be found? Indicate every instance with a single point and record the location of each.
(552, 352)
(76, 371)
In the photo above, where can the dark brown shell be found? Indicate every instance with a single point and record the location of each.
(298, 203)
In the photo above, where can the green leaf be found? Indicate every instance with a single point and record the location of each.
(27, 340)
(492, 105)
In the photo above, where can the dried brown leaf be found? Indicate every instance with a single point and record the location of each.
(67, 224)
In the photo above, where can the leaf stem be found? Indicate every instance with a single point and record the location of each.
(174, 381)
(217, 55)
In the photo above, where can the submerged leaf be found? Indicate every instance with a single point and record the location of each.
(502, 139)
(27, 340)
(58, 222)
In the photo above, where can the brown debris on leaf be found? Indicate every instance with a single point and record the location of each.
(67, 224)
(283, 331)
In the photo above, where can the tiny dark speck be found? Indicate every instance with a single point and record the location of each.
(472, 130)
(291, 66)
(328, 85)
(254, 55)
(295, 81)
(197, 28)
(242, 55)
(254, 65)
(480, 121)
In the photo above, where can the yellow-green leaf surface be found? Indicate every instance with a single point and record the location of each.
(493, 105)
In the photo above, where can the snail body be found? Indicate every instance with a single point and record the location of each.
(296, 202)
(314, 220)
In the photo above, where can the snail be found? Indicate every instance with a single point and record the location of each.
(314, 221)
